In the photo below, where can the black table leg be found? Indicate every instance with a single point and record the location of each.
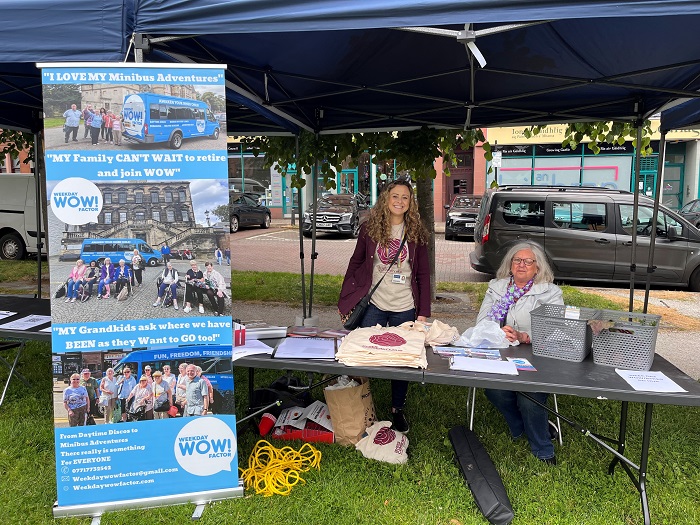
(621, 436)
(13, 367)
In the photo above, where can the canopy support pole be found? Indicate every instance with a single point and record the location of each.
(301, 234)
(39, 205)
(654, 218)
(635, 211)
(314, 255)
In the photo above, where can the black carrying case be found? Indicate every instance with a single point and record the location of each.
(481, 476)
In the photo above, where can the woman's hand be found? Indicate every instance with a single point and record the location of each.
(513, 335)
(421, 318)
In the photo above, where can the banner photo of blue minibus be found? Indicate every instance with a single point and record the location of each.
(150, 118)
(114, 249)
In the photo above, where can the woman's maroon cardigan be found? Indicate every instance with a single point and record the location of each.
(358, 277)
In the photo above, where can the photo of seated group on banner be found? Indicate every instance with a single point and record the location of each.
(137, 182)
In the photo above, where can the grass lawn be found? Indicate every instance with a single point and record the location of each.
(349, 489)
(352, 490)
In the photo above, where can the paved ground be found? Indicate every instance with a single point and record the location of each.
(277, 249)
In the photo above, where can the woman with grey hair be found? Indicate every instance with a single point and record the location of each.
(523, 282)
(108, 389)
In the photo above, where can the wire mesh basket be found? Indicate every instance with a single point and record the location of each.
(553, 335)
(631, 341)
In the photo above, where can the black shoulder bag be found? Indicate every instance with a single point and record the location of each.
(356, 314)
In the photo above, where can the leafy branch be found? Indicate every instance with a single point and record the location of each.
(414, 150)
(614, 132)
(13, 142)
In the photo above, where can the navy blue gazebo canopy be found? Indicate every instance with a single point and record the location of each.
(331, 65)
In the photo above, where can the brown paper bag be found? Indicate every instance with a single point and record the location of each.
(352, 411)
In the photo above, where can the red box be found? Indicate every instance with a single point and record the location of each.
(238, 334)
(312, 432)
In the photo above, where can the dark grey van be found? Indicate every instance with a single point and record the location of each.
(586, 234)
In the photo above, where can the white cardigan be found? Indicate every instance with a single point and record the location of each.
(519, 314)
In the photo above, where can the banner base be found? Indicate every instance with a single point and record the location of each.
(97, 509)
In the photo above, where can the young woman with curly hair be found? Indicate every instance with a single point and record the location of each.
(404, 294)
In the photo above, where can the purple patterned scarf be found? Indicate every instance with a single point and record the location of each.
(500, 308)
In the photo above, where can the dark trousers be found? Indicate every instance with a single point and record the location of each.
(121, 283)
(216, 302)
(95, 135)
(73, 130)
(192, 293)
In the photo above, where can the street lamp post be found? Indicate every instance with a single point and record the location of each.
(206, 214)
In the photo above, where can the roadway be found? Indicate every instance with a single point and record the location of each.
(277, 250)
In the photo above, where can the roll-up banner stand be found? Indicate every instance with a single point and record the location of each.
(137, 179)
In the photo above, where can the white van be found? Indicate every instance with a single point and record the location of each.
(18, 231)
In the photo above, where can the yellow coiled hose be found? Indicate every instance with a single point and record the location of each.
(275, 471)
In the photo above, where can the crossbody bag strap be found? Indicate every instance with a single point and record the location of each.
(396, 256)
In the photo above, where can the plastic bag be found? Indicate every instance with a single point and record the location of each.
(486, 334)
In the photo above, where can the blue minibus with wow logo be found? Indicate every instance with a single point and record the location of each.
(99, 249)
(215, 361)
(151, 118)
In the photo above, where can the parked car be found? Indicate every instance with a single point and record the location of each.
(461, 216)
(341, 213)
(246, 211)
(691, 211)
(586, 234)
(250, 186)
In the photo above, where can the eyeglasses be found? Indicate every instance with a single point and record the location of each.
(526, 262)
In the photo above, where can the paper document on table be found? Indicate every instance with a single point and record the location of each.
(306, 348)
(25, 323)
(6, 313)
(489, 366)
(649, 381)
(250, 348)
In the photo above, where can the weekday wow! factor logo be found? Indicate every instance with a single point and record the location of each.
(76, 201)
(205, 446)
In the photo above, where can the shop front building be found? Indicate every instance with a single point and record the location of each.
(541, 161)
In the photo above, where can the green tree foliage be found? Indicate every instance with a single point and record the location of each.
(59, 97)
(614, 132)
(13, 142)
(222, 212)
(414, 151)
(217, 103)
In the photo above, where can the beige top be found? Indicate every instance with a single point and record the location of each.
(394, 294)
